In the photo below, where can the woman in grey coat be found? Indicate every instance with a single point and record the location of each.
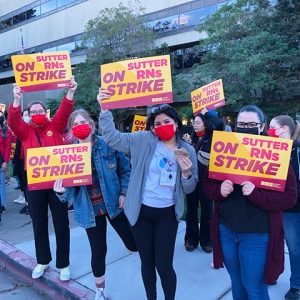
(154, 202)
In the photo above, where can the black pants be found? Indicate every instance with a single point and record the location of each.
(192, 228)
(38, 202)
(97, 239)
(155, 234)
(22, 176)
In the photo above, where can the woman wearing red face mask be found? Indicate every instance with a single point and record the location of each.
(41, 132)
(101, 201)
(154, 202)
(285, 127)
(203, 126)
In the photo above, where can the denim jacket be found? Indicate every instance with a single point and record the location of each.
(113, 169)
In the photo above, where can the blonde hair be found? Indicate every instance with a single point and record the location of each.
(288, 121)
(86, 116)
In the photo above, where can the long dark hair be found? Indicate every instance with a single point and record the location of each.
(260, 114)
(3, 125)
(170, 112)
(288, 121)
(209, 127)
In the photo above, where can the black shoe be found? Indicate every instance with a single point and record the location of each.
(208, 249)
(24, 210)
(189, 247)
(292, 294)
(2, 209)
(71, 208)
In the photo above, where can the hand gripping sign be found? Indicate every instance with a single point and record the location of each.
(42, 71)
(139, 123)
(243, 157)
(210, 96)
(72, 163)
(137, 82)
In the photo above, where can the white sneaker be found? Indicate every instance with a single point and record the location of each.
(100, 294)
(39, 271)
(20, 200)
(65, 274)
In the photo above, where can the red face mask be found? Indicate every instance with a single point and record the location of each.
(165, 132)
(39, 119)
(272, 132)
(200, 133)
(82, 131)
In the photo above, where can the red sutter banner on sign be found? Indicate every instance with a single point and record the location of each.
(72, 163)
(240, 157)
(42, 71)
(137, 82)
(210, 96)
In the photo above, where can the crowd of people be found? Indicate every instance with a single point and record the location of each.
(244, 226)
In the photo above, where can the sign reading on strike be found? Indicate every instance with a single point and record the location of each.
(72, 163)
(42, 71)
(137, 82)
(242, 157)
(2, 107)
(210, 96)
(139, 123)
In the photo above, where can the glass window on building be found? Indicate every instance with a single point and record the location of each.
(32, 13)
(48, 6)
(50, 49)
(165, 24)
(6, 23)
(79, 46)
(64, 2)
(195, 17)
(19, 18)
(6, 63)
(70, 47)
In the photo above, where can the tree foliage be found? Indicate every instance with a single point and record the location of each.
(116, 34)
(255, 49)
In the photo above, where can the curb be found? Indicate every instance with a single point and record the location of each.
(22, 265)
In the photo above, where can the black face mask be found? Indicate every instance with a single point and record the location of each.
(247, 130)
(1, 120)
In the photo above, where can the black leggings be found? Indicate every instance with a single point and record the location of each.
(97, 239)
(155, 234)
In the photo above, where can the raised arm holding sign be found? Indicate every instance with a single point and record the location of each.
(157, 184)
(42, 132)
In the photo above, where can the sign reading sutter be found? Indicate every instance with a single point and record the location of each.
(242, 157)
(42, 71)
(137, 82)
(72, 163)
(210, 96)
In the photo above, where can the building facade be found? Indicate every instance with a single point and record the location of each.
(52, 25)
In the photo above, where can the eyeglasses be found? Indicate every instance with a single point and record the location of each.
(160, 108)
(35, 112)
(249, 124)
(196, 123)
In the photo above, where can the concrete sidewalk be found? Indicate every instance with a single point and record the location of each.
(196, 280)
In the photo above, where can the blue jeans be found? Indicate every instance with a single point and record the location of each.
(245, 260)
(2, 189)
(291, 223)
